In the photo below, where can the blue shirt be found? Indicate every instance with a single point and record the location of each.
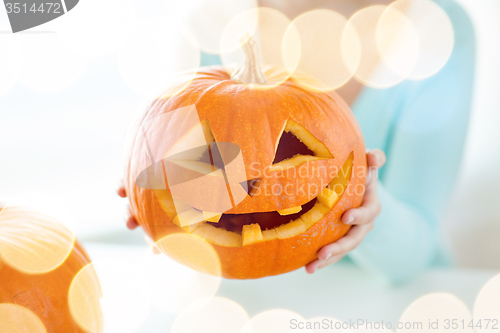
(421, 126)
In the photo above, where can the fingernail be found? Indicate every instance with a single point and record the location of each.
(328, 256)
(351, 219)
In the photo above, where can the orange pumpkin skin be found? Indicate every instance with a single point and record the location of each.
(254, 120)
(46, 295)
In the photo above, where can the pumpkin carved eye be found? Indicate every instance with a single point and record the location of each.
(289, 146)
(296, 146)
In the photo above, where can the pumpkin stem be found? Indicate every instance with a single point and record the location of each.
(250, 71)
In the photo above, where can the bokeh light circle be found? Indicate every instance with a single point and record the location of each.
(191, 251)
(15, 318)
(207, 21)
(274, 321)
(32, 242)
(44, 63)
(175, 286)
(153, 54)
(436, 306)
(268, 28)
(435, 35)
(214, 315)
(487, 305)
(389, 46)
(84, 300)
(43, 203)
(326, 62)
(397, 42)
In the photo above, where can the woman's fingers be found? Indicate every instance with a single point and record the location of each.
(132, 223)
(130, 220)
(317, 264)
(347, 243)
(121, 190)
(370, 207)
(332, 253)
(361, 218)
(375, 158)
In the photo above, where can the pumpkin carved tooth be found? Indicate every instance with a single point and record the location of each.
(270, 234)
(211, 217)
(251, 234)
(217, 236)
(188, 217)
(191, 227)
(314, 214)
(289, 211)
(328, 198)
(291, 229)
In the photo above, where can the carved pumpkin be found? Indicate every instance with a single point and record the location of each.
(39, 260)
(306, 144)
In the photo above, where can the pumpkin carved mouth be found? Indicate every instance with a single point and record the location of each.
(295, 147)
(235, 230)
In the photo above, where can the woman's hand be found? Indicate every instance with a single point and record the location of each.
(361, 218)
(131, 222)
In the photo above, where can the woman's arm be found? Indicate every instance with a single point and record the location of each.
(421, 125)
(424, 152)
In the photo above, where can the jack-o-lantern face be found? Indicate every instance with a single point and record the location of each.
(304, 164)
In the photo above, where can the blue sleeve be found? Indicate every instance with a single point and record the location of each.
(424, 145)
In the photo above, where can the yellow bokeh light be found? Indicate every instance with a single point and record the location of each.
(83, 300)
(175, 286)
(217, 315)
(268, 28)
(207, 20)
(191, 251)
(487, 306)
(326, 62)
(436, 307)
(389, 46)
(435, 34)
(15, 318)
(274, 321)
(32, 242)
